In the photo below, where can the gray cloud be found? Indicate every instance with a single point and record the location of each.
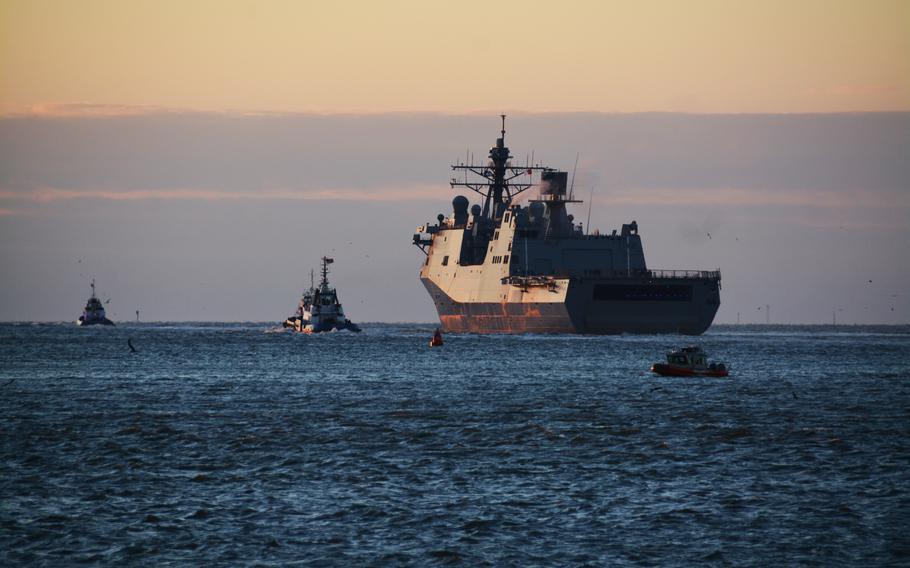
(224, 152)
(220, 216)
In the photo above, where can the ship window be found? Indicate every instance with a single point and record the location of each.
(445, 260)
(496, 236)
(510, 245)
(505, 260)
(505, 218)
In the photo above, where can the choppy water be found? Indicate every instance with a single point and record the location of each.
(230, 444)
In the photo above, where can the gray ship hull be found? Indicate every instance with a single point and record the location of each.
(509, 268)
(591, 307)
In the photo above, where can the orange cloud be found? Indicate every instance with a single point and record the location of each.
(728, 198)
(49, 194)
(753, 197)
(67, 110)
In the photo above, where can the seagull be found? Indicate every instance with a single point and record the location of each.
(709, 235)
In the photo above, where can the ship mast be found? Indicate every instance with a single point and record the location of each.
(326, 261)
(498, 184)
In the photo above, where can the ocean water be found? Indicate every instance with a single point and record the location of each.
(230, 445)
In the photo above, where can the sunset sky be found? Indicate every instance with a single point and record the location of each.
(624, 56)
(197, 157)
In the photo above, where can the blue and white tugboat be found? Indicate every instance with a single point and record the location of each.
(319, 309)
(93, 313)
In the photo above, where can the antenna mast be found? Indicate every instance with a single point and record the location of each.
(572, 185)
(590, 204)
(496, 181)
(325, 272)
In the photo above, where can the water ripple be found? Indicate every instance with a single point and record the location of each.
(230, 444)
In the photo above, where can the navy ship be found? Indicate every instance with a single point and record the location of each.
(319, 309)
(508, 268)
(93, 313)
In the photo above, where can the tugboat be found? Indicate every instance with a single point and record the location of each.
(689, 362)
(319, 309)
(93, 314)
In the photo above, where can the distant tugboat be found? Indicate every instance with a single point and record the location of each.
(319, 309)
(93, 314)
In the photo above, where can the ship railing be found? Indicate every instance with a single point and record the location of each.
(525, 282)
(550, 280)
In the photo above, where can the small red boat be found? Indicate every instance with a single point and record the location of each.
(689, 362)
(437, 339)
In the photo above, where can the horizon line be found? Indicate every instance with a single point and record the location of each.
(265, 322)
(105, 110)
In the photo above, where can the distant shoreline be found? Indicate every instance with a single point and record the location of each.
(436, 324)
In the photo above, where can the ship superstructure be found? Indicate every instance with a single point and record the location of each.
(93, 313)
(319, 309)
(508, 268)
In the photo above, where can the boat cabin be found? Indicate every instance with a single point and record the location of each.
(688, 357)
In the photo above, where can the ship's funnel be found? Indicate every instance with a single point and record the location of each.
(553, 182)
